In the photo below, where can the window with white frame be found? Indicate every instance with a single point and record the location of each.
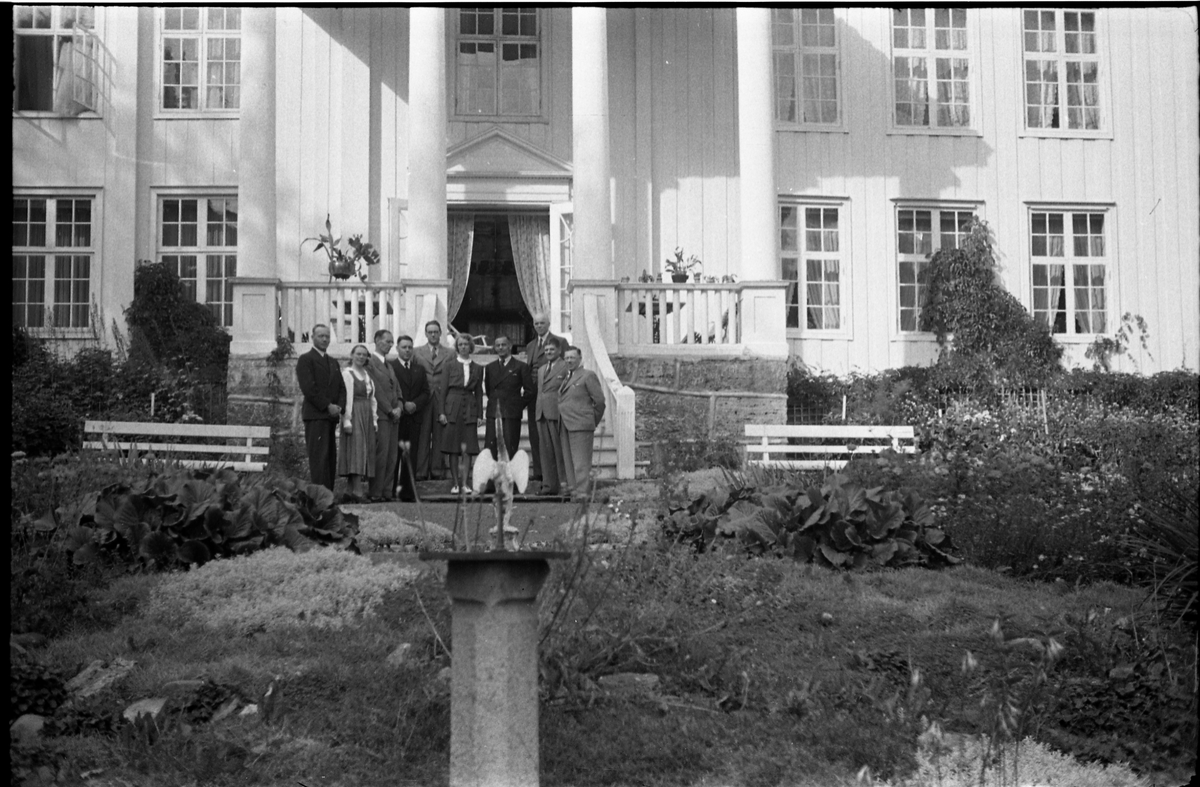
(1061, 60)
(813, 263)
(197, 239)
(54, 59)
(931, 68)
(201, 51)
(805, 50)
(920, 233)
(498, 62)
(1070, 263)
(52, 261)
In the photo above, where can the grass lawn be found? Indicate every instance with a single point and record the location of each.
(770, 673)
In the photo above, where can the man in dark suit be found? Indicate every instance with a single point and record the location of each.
(549, 380)
(389, 405)
(535, 357)
(320, 379)
(414, 388)
(508, 384)
(580, 411)
(434, 358)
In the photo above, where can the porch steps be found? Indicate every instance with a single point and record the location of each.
(604, 455)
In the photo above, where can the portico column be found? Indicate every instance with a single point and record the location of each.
(756, 146)
(256, 131)
(589, 97)
(427, 143)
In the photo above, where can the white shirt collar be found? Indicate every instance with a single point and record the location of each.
(380, 357)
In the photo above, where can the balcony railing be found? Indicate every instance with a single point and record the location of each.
(352, 310)
(678, 314)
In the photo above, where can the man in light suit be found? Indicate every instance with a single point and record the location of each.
(549, 380)
(580, 410)
(509, 386)
(535, 356)
(414, 386)
(389, 402)
(320, 379)
(433, 357)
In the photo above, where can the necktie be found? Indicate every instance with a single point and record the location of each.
(434, 351)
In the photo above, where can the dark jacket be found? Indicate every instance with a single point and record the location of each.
(414, 383)
(320, 379)
(508, 387)
(461, 401)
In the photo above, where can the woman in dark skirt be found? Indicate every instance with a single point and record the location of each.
(460, 409)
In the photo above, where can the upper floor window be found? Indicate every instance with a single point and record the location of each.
(201, 59)
(921, 232)
(1070, 261)
(498, 60)
(813, 263)
(931, 68)
(197, 239)
(54, 59)
(1061, 60)
(52, 261)
(805, 49)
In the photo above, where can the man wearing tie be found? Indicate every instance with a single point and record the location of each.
(508, 384)
(549, 380)
(415, 389)
(535, 357)
(320, 379)
(389, 402)
(433, 358)
(580, 410)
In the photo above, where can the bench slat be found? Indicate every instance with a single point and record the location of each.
(177, 430)
(100, 445)
(805, 464)
(776, 448)
(801, 430)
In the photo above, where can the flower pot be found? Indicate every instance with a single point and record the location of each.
(341, 269)
(679, 278)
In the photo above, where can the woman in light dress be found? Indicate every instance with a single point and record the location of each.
(356, 450)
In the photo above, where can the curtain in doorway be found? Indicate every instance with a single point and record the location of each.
(530, 236)
(460, 228)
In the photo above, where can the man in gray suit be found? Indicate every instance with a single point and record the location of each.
(549, 379)
(389, 401)
(535, 356)
(433, 358)
(580, 410)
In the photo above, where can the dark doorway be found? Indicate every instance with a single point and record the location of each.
(492, 305)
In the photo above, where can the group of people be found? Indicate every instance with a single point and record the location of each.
(406, 419)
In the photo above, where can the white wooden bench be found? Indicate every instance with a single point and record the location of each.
(791, 446)
(187, 444)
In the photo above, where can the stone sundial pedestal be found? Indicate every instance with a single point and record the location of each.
(494, 665)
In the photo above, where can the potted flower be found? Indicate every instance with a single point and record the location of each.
(345, 262)
(679, 267)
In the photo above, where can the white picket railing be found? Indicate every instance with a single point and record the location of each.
(352, 310)
(651, 313)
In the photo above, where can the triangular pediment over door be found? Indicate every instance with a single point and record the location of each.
(497, 168)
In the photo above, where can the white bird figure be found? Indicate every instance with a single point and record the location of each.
(506, 473)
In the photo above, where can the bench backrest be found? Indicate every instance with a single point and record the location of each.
(183, 440)
(830, 442)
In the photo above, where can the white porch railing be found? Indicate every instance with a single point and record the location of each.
(650, 313)
(353, 311)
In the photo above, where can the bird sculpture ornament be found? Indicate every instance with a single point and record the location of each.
(506, 472)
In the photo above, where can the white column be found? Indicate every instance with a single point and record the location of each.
(756, 146)
(589, 96)
(427, 143)
(256, 135)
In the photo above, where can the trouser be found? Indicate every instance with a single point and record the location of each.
(553, 469)
(430, 460)
(577, 457)
(409, 433)
(512, 436)
(387, 450)
(321, 439)
(535, 468)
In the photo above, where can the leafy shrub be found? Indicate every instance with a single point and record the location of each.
(173, 329)
(838, 524)
(189, 516)
(675, 455)
(1164, 547)
(385, 530)
(33, 688)
(275, 589)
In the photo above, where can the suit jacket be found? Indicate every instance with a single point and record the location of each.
(536, 358)
(550, 377)
(461, 401)
(508, 387)
(435, 371)
(320, 379)
(414, 383)
(581, 401)
(387, 387)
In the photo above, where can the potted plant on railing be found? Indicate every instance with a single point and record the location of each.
(680, 268)
(345, 262)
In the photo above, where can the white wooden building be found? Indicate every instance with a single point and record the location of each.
(506, 160)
